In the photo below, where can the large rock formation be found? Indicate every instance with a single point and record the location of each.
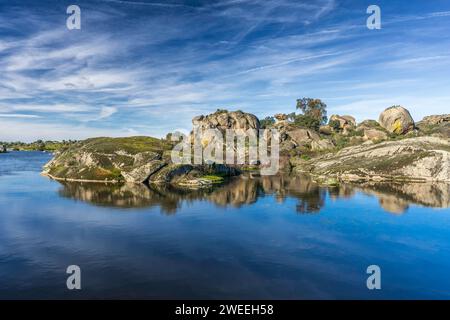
(280, 117)
(421, 159)
(374, 135)
(205, 127)
(133, 159)
(308, 137)
(223, 120)
(396, 120)
(436, 119)
(345, 123)
(372, 131)
(435, 125)
(143, 172)
(363, 154)
(292, 137)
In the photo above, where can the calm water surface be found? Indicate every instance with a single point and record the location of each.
(277, 238)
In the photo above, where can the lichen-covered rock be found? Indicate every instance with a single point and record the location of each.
(321, 144)
(344, 121)
(210, 130)
(396, 120)
(421, 159)
(435, 125)
(436, 119)
(131, 159)
(372, 131)
(369, 124)
(171, 172)
(326, 129)
(183, 173)
(280, 117)
(223, 120)
(374, 135)
(142, 173)
(292, 137)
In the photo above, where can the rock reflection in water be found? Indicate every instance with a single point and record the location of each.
(396, 197)
(245, 190)
(122, 196)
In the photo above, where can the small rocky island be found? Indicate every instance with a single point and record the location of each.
(394, 148)
(131, 159)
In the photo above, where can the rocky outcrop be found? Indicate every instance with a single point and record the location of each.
(142, 173)
(371, 130)
(436, 119)
(374, 135)
(133, 159)
(280, 117)
(2, 149)
(302, 137)
(396, 120)
(192, 175)
(223, 120)
(206, 128)
(326, 130)
(345, 122)
(420, 159)
(292, 137)
(368, 151)
(435, 125)
(171, 172)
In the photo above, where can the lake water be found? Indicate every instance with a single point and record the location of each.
(258, 238)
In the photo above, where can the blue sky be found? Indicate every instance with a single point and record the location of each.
(146, 68)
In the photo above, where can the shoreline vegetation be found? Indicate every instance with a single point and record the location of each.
(39, 145)
(331, 150)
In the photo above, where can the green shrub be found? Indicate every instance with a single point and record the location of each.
(305, 157)
(267, 122)
(335, 124)
(307, 122)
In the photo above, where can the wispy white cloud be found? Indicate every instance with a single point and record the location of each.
(30, 131)
(18, 115)
(169, 62)
(148, 3)
(106, 112)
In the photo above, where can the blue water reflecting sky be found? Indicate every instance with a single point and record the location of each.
(246, 240)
